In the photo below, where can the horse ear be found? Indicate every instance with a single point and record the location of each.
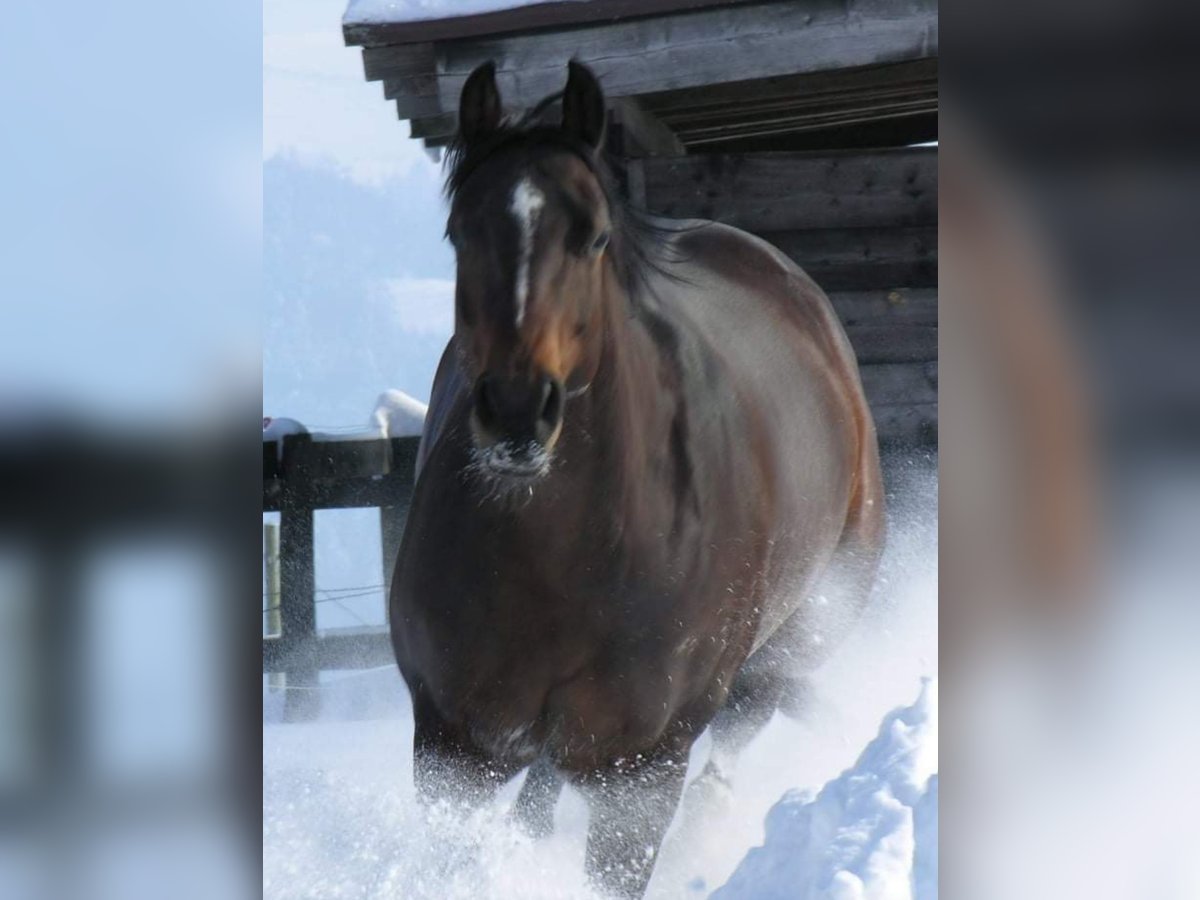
(584, 115)
(479, 108)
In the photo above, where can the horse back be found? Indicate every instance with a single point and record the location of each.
(811, 440)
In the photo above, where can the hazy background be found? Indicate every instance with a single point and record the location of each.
(358, 282)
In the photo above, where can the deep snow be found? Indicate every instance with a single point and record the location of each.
(340, 818)
(869, 833)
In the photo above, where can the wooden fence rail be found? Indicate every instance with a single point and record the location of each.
(300, 476)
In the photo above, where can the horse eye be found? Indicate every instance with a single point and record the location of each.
(600, 242)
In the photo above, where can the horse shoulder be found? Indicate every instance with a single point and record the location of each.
(449, 385)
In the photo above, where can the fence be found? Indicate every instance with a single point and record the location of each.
(301, 476)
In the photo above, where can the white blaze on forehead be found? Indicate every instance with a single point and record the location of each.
(526, 204)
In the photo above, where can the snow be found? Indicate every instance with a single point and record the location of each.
(276, 428)
(870, 834)
(367, 12)
(340, 816)
(396, 414)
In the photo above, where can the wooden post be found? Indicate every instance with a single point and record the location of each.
(272, 618)
(298, 610)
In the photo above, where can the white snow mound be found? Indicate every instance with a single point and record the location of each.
(870, 834)
(398, 415)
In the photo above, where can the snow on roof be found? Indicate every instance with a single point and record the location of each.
(370, 12)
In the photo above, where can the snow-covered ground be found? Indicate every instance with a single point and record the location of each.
(340, 817)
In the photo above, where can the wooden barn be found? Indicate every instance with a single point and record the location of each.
(812, 123)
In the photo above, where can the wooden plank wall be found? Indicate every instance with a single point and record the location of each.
(863, 225)
(424, 67)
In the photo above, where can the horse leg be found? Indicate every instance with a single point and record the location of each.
(631, 808)
(756, 693)
(446, 765)
(534, 806)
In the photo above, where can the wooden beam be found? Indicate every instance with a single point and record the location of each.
(338, 474)
(705, 136)
(410, 108)
(791, 191)
(334, 648)
(909, 425)
(873, 135)
(442, 125)
(298, 611)
(398, 61)
(842, 259)
(690, 102)
(734, 43)
(411, 87)
(900, 384)
(901, 306)
(795, 103)
(362, 27)
(893, 343)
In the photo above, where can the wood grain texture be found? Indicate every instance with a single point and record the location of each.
(899, 306)
(841, 259)
(399, 61)
(773, 192)
(360, 31)
(909, 425)
(893, 343)
(720, 45)
(890, 384)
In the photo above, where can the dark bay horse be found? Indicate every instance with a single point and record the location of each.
(648, 492)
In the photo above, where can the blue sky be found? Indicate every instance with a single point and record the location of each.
(358, 282)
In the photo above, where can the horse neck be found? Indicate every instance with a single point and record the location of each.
(634, 400)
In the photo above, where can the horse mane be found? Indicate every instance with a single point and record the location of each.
(640, 245)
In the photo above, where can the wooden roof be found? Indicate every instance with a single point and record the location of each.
(364, 25)
(681, 74)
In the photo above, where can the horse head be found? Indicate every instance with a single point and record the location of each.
(530, 224)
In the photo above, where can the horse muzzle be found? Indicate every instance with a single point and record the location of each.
(515, 422)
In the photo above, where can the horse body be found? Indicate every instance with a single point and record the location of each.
(708, 478)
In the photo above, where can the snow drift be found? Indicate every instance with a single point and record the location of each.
(870, 834)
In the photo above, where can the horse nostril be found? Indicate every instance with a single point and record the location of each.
(485, 402)
(552, 402)
(518, 409)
